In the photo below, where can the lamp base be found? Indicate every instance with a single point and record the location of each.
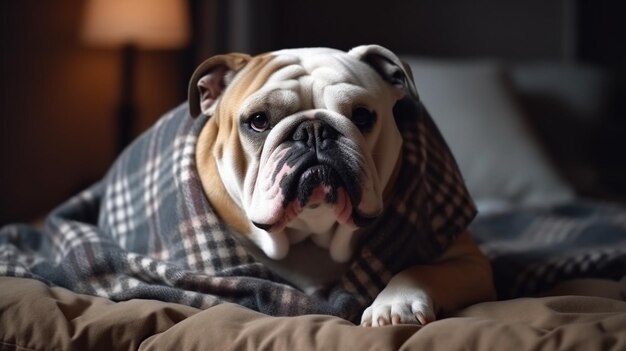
(126, 111)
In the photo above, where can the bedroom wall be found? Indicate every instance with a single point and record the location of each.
(504, 29)
(57, 104)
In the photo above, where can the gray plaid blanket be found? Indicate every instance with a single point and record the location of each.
(532, 249)
(147, 231)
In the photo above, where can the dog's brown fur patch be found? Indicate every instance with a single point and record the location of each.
(222, 132)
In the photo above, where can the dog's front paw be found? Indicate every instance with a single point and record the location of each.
(399, 306)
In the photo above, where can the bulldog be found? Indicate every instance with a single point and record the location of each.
(298, 156)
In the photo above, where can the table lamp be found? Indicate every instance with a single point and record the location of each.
(132, 25)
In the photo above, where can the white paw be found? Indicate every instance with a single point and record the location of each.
(399, 306)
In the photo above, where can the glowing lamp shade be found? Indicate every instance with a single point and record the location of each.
(131, 25)
(147, 24)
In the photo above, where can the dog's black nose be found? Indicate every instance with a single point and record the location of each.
(261, 226)
(314, 133)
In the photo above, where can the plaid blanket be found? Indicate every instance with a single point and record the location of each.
(532, 249)
(147, 231)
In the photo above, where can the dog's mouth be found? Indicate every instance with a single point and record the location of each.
(315, 182)
(322, 184)
(313, 185)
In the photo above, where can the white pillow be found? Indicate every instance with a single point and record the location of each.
(477, 115)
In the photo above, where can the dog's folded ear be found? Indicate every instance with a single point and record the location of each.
(396, 72)
(208, 82)
(389, 66)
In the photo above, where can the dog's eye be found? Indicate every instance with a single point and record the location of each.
(259, 122)
(363, 118)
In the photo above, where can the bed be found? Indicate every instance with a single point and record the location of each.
(559, 260)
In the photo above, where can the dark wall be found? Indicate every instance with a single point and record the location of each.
(590, 31)
(602, 35)
(506, 29)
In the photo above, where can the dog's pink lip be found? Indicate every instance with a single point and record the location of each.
(311, 167)
(344, 211)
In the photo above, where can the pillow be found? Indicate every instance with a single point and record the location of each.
(582, 92)
(485, 129)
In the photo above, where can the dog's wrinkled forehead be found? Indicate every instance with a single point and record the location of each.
(328, 65)
(317, 78)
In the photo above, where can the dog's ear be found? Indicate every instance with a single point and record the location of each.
(389, 66)
(408, 108)
(210, 79)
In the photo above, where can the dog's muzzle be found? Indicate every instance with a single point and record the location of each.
(324, 170)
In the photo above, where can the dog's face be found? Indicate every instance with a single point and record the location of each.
(304, 142)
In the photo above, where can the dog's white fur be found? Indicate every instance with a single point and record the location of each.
(293, 85)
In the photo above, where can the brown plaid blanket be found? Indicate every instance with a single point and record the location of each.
(147, 231)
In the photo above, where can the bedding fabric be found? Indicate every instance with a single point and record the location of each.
(34, 316)
(534, 248)
(147, 231)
